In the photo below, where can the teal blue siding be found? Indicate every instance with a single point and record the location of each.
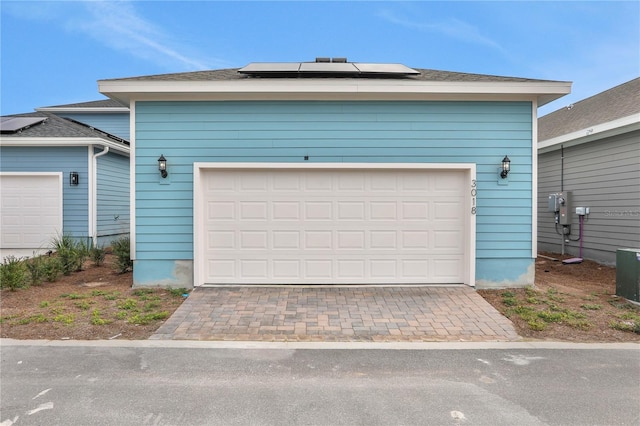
(57, 159)
(112, 197)
(355, 132)
(116, 124)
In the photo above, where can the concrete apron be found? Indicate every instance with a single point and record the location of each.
(332, 314)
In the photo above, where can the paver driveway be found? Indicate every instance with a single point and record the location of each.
(427, 313)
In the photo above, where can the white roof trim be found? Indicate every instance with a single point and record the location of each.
(8, 140)
(599, 131)
(325, 89)
(102, 110)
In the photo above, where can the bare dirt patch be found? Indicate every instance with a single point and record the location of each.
(94, 303)
(569, 302)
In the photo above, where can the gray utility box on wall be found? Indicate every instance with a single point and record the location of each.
(628, 274)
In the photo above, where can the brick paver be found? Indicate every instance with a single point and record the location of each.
(315, 314)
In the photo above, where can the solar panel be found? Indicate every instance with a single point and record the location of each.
(328, 67)
(270, 67)
(337, 66)
(385, 69)
(15, 124)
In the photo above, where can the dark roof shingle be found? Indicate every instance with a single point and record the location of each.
(58, 127)
(233, 74)
(617, 102)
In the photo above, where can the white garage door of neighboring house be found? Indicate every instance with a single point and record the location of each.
(31, 214)
(333, 226)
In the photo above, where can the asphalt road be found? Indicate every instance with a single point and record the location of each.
(200, 383)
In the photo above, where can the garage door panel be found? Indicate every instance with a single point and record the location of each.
(31, 210)
(333, 227)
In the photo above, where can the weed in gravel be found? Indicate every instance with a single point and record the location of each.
(44, 304)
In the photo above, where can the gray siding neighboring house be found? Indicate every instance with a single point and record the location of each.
(592, 149)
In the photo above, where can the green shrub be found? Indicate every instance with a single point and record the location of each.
(13, 273)
(72, 253)
(97, 255)
(51, 269)
(122, 251)
(35, 269)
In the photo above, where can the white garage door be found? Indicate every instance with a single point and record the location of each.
(328, 226)
(31, 213)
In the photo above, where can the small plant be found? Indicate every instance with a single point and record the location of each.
(12, 273)
(96, 320)
(591, 306)
(35, 269)
(177, 292)
(150, 306)
(51, 269)
(64, 318)
(148, 318)
(44, 304)
(72, 296)
(632, 326)
(122, 251)
(111, 296)
(553, 294)
(97, 254)
(128, 304)
(71, 253)
(537, 324)
(121, 315)
(509, 298)
(84, 305)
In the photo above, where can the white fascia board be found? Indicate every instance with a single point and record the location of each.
(61, 141)
(323, 89)
(101, 110)
(597, 132)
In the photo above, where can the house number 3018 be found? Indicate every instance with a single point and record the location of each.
(474, 191)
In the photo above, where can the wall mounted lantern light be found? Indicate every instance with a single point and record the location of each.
(506, 167)
(74, 178)
(162, 166)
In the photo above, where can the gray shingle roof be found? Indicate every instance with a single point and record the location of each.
(104, 103)
(617, 102)
(58, 127)
(233, 74)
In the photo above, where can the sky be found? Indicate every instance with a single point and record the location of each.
(54, 52)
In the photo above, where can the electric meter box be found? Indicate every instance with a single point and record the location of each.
(560, 202)
(628, 274)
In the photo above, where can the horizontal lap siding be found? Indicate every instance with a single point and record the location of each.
(351, 132)
(113, 195)
(57, 159)
(604, 176)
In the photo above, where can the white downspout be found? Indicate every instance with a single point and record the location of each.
(93, 204)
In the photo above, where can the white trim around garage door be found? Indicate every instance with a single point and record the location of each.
(469, 170)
